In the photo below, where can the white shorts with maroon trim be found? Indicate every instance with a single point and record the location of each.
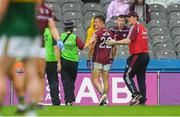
(104, 67)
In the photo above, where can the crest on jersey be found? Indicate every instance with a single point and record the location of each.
(124, 35)
(106, 34)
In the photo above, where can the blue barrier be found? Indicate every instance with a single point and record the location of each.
(155, 65)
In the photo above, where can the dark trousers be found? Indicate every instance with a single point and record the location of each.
(52, 76)
(68, 75)
(137, 65)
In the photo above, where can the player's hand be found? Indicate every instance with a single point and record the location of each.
(89, 64)
(111, 62)
(86, 46)
(59, 67)
(60, 44)
(110, 42)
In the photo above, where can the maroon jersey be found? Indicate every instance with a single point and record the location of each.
(120, 34)
(43, 15)
(101, 50)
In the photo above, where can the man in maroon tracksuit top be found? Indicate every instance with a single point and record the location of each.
(102, 56)
(137, 40)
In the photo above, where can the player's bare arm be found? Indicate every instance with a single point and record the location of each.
(120, 42)
(113, 52)
(58, 54)
(3, 8)
(86, 46)
(90, 52)
(39, 1)
(91, 46)
(53, 28)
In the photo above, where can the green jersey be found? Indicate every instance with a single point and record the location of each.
(49, 46)
(20, 19)
(70, 51)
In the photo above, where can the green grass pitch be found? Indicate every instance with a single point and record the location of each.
(102, 111)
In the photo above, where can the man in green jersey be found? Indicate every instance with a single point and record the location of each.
(52, 66)
(19, 38)
(45, 19)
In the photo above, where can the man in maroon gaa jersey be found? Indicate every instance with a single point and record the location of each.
(46, 19)
(121, 30)
(102, 57)
(137, 40)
